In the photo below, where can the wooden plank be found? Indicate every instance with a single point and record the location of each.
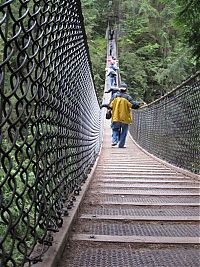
(141, 218)
(134, 171)
(130, 168)
(118, 186)
(144, 193)
(141, 181)
(146, 204)
(138, 176)
(137, 239)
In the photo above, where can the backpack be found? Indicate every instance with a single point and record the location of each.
(108, 114)
(112, 73)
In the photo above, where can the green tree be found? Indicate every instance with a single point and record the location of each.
(152, 50)
(188, 18)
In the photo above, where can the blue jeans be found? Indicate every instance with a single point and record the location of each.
(112, 81)
(119, 133)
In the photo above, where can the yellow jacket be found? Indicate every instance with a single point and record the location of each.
(121, 105)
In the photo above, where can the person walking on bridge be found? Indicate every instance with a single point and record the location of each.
(112, 72)
(113, 89)
(121, 104)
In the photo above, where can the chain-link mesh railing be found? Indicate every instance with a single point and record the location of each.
(170, 127)
(49, 119)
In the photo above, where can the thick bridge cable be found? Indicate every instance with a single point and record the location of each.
(49, 119)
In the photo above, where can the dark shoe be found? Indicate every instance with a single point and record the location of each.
(114, 144)
(122, 146)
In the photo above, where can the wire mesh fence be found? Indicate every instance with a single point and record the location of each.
(49, 121)
(170, 127)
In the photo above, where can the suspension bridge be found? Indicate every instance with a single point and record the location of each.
(67, 197)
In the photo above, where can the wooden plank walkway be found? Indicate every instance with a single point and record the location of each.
(136, 212)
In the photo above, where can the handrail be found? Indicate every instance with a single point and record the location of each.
(169, 127)
(50, 122)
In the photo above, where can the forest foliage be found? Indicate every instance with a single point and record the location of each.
(158, 42)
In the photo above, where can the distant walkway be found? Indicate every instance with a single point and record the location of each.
(137, 212)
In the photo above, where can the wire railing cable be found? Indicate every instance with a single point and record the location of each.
(49, 118)
(170, 127)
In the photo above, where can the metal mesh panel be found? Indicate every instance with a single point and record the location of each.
(130, 256)
(140, 229)
(49, 118)
(170, 126)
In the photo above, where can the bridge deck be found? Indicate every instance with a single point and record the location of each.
(136, 212)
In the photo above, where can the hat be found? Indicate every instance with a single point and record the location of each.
(123, 86)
